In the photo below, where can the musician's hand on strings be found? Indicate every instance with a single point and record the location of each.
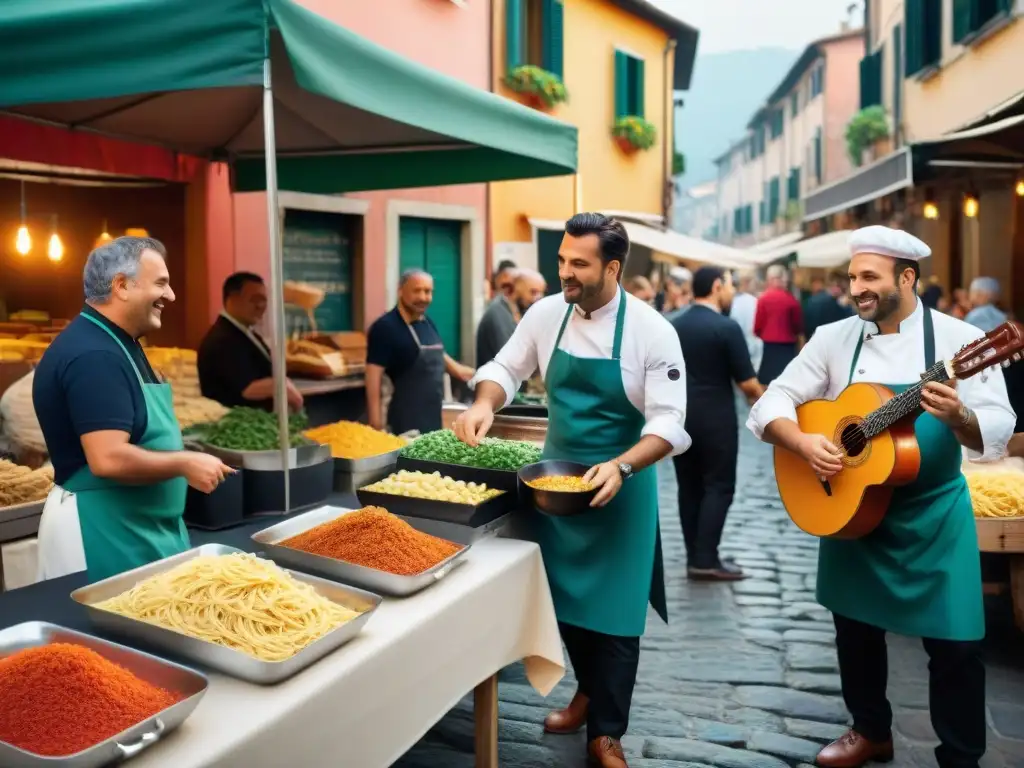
(824, 457)
(943, 402)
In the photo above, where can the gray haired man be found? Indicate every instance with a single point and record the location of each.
(120, 468)
(985, 314)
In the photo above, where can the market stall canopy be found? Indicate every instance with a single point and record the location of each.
(1001, 141)
(189, 76)
(825, 251)
(679, 247)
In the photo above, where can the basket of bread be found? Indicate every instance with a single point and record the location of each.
(311, 360)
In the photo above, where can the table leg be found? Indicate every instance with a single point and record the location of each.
(1017, 589)
(485, 713)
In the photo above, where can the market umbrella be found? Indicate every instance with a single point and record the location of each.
(273, 89)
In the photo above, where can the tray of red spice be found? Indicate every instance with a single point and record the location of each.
(368, 547)
(70, 700)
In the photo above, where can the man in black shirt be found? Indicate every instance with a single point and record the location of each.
(824, 307)
(233, 359)
(716, 355)
(405, 345)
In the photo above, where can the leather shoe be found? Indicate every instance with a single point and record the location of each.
(853, 750)
(570, 719)
(607, 753)
(724, 571)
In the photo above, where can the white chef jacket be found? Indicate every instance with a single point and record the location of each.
(743, 310)
(822, 371)
(651, 358)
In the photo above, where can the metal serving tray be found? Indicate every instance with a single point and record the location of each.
(379, 581)
(219, 657)
(302, 456)
(165, 674)
(369, 464)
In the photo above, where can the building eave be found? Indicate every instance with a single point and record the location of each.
(684, 35)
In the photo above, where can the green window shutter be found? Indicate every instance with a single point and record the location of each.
(796, 185)
(818, 169)
(871, 80)
(621, 84)
(913, 24)
(554, 37)
(897, 78)
(750, 218)
(737, 221)
(794, 104)
(962, 19)
(1004, 6)
(637, 87)
(932, 48)
(514, 38)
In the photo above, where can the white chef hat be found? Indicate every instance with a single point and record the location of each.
(887, 241)
(680, 274)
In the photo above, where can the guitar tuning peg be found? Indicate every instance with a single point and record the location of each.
(1005, 363)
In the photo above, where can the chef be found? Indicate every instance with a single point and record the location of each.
(918, 574)
(616, 387)
(233, 359)
(119, 466)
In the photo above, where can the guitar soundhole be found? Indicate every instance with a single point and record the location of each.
(853, 440)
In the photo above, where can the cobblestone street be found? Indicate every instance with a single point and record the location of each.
(745, 675)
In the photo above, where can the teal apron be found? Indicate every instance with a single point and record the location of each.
(127, 526)
(919, 572)
(604, 565)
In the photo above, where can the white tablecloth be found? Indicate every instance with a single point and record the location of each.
(368, 703)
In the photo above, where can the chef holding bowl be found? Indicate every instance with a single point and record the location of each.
(616, 389)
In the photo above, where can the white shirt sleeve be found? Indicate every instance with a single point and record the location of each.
(805, 378)
(517, 360)
(985, 394)
(665, 390)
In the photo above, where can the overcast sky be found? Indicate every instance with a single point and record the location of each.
(728, 25)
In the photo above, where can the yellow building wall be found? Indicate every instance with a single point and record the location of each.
(971, 81)
(610, 179)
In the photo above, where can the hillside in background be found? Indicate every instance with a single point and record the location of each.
(727, 88)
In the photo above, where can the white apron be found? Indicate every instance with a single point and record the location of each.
(60, 537)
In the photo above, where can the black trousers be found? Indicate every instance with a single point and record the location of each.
(605, 667)
(774, 360)
(956, 690)
(706, 476)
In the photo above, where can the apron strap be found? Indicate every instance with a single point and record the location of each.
(110, 333)
(929, 344)
(619, 323)
(565, 322)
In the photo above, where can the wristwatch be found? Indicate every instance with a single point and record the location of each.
(626, 470)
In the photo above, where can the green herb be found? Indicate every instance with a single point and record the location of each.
(492, 453)
(252, 429)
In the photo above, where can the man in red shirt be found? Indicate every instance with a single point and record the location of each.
(779, 323)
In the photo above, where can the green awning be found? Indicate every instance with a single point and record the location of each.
(188, 75)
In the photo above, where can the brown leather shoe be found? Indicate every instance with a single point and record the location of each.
(607, 753)
(570, 719)
(853, 750)
(725, 571)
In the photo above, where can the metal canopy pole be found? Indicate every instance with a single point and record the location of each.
(276, 279)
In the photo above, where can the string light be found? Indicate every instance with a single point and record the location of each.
(1020, 188)
(23, 241)
(55, 250)
(930, 211)
(970, 206)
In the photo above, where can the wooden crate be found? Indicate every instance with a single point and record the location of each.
(1006, 536)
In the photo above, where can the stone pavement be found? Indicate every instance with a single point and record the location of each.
(745, 675)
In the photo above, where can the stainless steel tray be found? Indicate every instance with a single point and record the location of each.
(269, 461)
(168, 675)
(369, 464)
(215, 656)
(370, 578)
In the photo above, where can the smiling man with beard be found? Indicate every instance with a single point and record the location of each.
(120, 470)
(918, 573)
(616, 388)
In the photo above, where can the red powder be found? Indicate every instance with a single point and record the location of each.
(60, 699)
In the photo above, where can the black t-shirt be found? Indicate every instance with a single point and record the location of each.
(228, 362)
(84, 383)
(716, 355)
(390, 345)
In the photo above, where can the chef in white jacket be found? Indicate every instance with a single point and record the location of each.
(918, 573)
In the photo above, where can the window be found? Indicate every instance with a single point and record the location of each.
(757, 142)
(969, 16)
(817, 80)
(534, 34)
(774, 199)
(818, 166)
(871, 79)
(897, 80)
(629, 85)
(794, 103)
(793, 185)
(922, 25)
(776, 122)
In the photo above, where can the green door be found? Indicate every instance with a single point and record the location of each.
(548, 243)
(318, 250)
(435, 246)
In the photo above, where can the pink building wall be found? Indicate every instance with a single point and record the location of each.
(842, 101)
(436, 33)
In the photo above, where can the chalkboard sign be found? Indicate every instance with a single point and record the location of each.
(318, 251)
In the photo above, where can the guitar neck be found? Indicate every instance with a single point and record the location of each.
(903, 404)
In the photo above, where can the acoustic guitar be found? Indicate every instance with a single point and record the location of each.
(874, 429)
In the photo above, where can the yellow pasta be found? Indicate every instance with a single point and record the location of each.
(419, 485)
(564, 483)
(997, 494)
(239, 601)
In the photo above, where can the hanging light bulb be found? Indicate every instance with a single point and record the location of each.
(55, 250)
(23, 241)
(1020, 188)
(970, 206)
(930, 211)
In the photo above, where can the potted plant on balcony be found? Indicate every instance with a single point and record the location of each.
(633, 133)
(538, 87)
(866, 129)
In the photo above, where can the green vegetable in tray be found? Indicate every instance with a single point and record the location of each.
(251, 429)
(493, 453)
